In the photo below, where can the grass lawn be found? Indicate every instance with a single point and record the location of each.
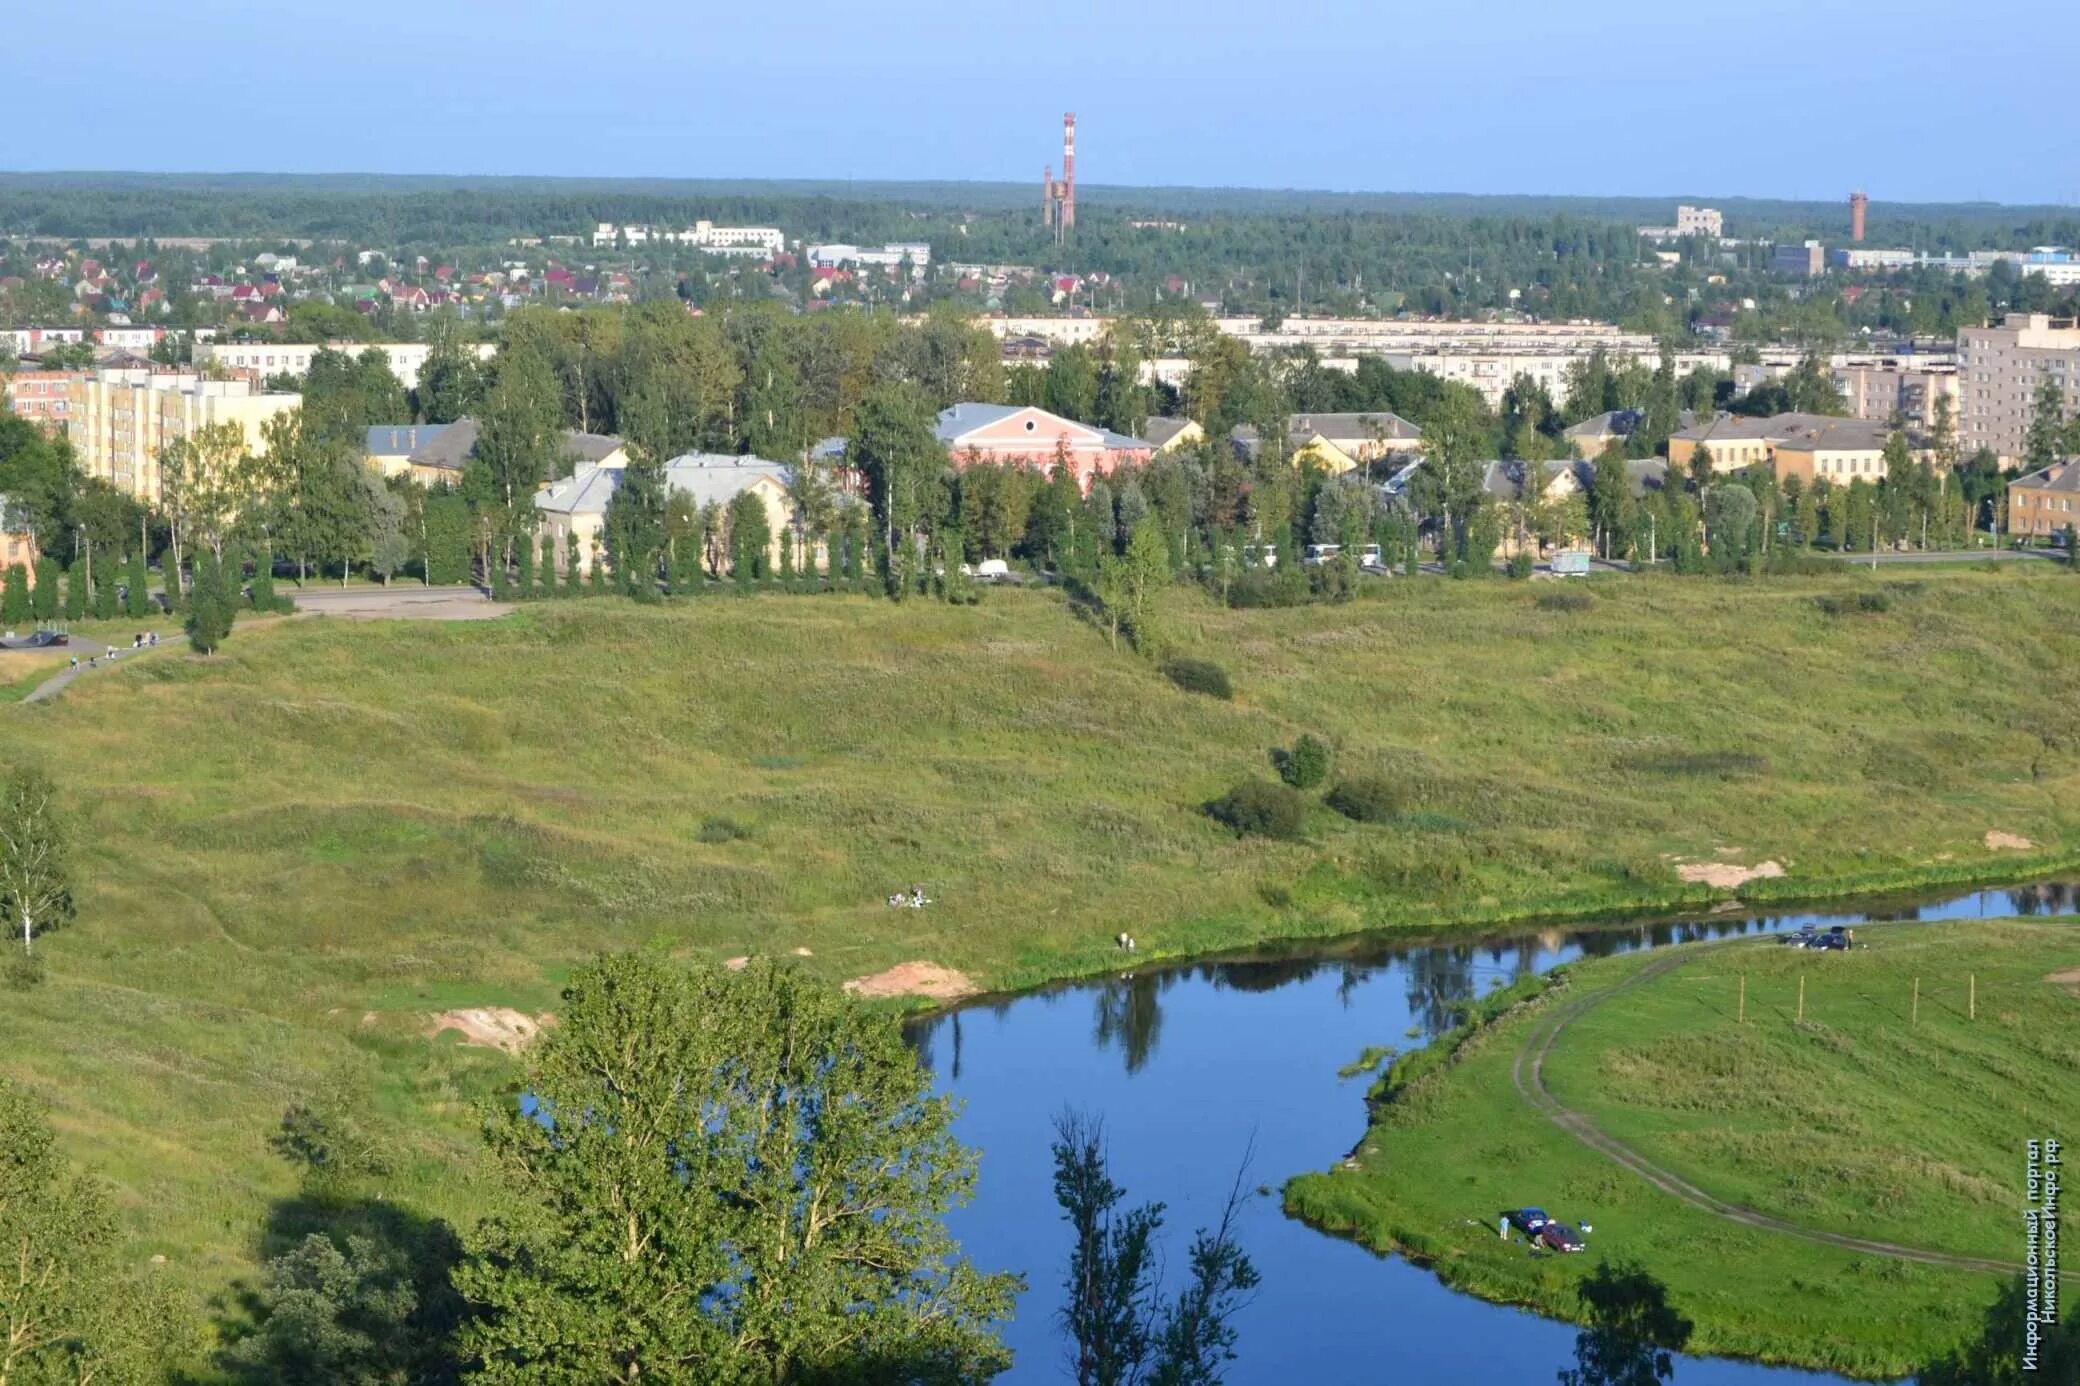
(1860, 1120)
(291, 854)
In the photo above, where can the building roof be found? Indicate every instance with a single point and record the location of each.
(1160, 431)
(1383, 425)
(962, 419)
(703, 477)
(2059, 476)
(1612, 423)
(584, 492)
(397, 440)
(1505, 480)
(451, 447)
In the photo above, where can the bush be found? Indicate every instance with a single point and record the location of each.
(1306, 765)
(1200, 676)
(22, 970)
(1366, 799)
(1863, 603)
(720, 829)
(1565, 601)
(1519, 566)
(1261, 809)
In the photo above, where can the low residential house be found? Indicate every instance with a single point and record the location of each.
(1340, 442)
(17, 539)
(1591, 436)
(1562, 480)
(573, 512)
(1007, 434)
(1168, 435)
(441, 459)
(2046, 503)
(390, 446)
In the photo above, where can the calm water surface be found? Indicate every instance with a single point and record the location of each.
(1189, 1066)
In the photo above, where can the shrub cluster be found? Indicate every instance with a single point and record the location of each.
(1861, 604)
(1259, 808)
(1565, 601)
(721, 829)
(1366, 799)
(1519, 566)
(1200, 676)
(1306, 765)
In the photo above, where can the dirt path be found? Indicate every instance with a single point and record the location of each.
(1529, 1075)
(56, 683)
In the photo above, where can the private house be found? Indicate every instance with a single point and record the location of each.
(1809, 446)
(439, 459)
(1563, 480)
(390, 446)
(2046, 503)
(1168, 435)
(17, 539)
(1009, 434)
(574, 510)
(1340, 442)
(1592, 435)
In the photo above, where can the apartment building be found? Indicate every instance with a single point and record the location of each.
(1902, 388)
(44, 398)
(1998, 369)
(294, 358)
(120, 420)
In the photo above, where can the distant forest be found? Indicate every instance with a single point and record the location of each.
(401, 209)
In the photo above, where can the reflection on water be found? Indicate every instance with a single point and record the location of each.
(1191, 1064)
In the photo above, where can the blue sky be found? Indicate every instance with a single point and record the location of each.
(1774, 98)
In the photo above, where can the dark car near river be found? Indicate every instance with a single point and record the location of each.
(1558, 1236)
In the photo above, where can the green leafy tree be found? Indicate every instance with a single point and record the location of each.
(2045, 440)
(1729, 523)
(1995, 1357)
(45, 597)
(69, 1314)
(445, 526)
(894, 448)
(635, 526)
(105, 603)
(35, 881)
(15, 603)
(547, 567)
(1307, 764)
(727, 1177)
(212, 606)
(75, 592)
(138, 587)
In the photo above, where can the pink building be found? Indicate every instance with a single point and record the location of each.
(1005, 434)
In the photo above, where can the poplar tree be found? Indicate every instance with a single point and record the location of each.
(14, 604)
(138, 577)
(75, 592)
(212, 605)
(44, 596)
(548, 565)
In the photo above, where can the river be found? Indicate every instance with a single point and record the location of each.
(1191, 1065)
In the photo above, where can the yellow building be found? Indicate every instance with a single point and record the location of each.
(1808, 446)
(122, 419)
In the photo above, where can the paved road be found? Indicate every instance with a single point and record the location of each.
(55, 684)
(1529, 1074)
(406, 601)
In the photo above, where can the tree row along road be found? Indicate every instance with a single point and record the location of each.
(1529, 1075)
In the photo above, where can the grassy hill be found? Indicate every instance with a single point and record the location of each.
(1864, 1119)
(293, 854)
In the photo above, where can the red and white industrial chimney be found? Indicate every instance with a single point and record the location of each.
(1069, 172)
(1858, 205)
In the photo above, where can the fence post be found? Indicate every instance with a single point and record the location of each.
(1743, 1017)
(1801, 997)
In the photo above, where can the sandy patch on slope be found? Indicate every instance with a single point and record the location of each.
(495, 1027)
(1726, 875)
(2069, 979)
(926, 979)
(2007, 842)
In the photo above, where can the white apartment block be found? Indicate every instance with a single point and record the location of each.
(1998, 370)
(751, 242)
(837, 255)
(1690, 221)
(294, 358)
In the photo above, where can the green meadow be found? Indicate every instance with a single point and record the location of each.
(1874, 1117)
(292, 855)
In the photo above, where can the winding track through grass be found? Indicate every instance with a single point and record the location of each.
(1528, 1073)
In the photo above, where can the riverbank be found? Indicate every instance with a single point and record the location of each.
(295, 857)
(1753, 1125)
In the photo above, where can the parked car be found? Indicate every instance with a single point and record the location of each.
(993, 570)
(1558, 1236)
(1369, 557)
(1802, 939)
(1527, 1220)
